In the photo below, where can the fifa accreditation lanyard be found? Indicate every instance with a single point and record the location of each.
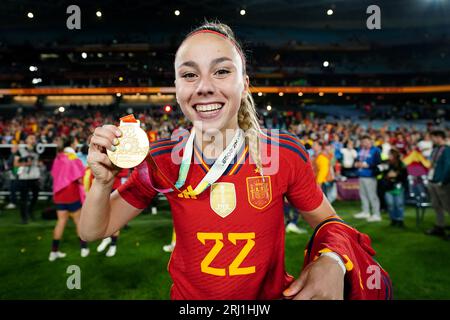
(219, 167)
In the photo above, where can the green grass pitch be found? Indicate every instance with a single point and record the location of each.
(418, 264)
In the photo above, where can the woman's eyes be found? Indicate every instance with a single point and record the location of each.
(222, 72)
(191, 75)
(188, 75)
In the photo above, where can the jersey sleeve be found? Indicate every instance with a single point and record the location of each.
(303, 191)
(357, 254)
(136, 192)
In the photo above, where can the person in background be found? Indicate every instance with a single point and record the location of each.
(27, 163)
(337, 146)
(330, 184)
(152, 134)
(82, 154)
(386, 147)
(394, 176)
(400, 143)
(291, 216)
(321, 165)
(68, 193)
(308, 148)
(171, 246)
(12, 177)
(426, 146)
(349, 155)
(367, 162)
(439, 183)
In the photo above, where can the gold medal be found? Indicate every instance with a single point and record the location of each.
(133, 145)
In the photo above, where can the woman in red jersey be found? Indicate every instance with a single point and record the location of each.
(227, 202)
(67, 173)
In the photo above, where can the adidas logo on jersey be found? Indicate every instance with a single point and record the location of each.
(187, 193)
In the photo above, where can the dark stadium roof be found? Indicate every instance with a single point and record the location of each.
(348, 14)
(287, 41)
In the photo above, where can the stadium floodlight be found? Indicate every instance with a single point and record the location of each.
(84, 55)
(98, 14)
(242, 12)
(30, 15)
(269, 107)
(177, 12)
(326, 64)
(330, 12)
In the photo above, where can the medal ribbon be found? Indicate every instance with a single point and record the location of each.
(128, 118)
(217, 170)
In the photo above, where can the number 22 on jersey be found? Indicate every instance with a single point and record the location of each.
(233, 268)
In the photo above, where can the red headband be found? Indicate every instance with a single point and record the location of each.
(223, 36)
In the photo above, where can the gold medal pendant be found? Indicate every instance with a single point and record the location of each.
(133, 145)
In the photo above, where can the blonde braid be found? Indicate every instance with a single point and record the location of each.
(248, 122)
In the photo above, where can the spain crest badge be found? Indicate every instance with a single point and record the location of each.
(259, 191)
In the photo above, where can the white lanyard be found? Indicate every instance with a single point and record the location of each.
(219, 167)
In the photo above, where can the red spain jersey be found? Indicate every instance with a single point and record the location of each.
(230, 238)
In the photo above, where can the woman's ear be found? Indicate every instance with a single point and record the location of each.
(246, 84)
(176, 97)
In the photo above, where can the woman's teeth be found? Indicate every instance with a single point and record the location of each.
(208, 107)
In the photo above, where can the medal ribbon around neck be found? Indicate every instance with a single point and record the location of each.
(219, 167)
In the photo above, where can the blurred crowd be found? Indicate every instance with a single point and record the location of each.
(47, 127)
(382, 159)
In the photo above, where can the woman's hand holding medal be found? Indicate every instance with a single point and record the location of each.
(113, 148)
(105, 137)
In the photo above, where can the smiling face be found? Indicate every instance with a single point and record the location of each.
(209, 81)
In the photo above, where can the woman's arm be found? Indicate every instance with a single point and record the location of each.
(322, 212)
(104, 213)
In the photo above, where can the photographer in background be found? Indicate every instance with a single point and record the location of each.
(28, 172)
(394, 177)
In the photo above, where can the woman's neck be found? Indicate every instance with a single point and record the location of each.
(213, 143)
